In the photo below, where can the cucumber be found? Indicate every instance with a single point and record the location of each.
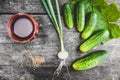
(90, 61)
(90, 26)
(68, 16)
(94, 40)
(80, 16)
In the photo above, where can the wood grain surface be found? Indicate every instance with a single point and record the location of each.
(14, 61)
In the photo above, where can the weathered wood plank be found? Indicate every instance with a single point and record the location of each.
(45, 73)
(10, 54)
(98, 73)
(23, 6)
(27, 6)
(45, 29)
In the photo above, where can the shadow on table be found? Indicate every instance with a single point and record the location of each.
(46, 73)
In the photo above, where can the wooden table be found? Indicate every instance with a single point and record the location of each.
(14, 56)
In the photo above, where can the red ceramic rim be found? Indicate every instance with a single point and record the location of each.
(18, 39)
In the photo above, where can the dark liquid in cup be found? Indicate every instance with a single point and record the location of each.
(23, 27)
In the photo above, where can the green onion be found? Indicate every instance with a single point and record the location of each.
(62, 54)
(57, 24)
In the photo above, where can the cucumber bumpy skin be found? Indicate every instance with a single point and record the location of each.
(94, 40)
(91, 61)
(68, 16)
(90, 26)
(80, 16)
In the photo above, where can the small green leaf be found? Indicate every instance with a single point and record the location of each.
(101, 24)
(114, 30)
(99, 3)
(111, 13)
(96, 3)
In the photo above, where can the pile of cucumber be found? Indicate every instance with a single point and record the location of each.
(90, 18)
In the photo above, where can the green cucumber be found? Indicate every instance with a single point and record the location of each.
(68, 16)
(90, 61)
(80, 16)
(90, 26)
(94, 41)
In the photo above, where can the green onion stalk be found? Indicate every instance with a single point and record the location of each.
(62, 54)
